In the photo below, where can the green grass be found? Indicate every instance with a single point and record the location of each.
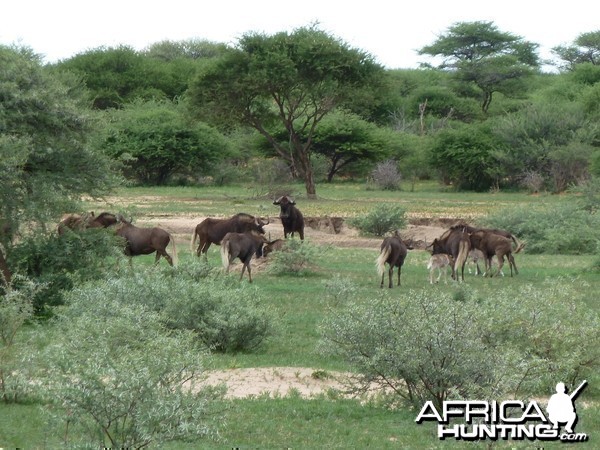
(301, 303)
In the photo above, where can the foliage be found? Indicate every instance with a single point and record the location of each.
(383, 218)
(298, 258)
(60, 262)
(480, 54)
(121, 379)
(430, 345)
(225, 316)
(16, 309)
(554, 141)
(560, 229)
(292, 79)
(155, 140)
(465, 157)
(585, 49)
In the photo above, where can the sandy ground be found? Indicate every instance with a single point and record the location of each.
(280, 381)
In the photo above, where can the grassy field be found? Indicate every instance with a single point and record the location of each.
(302, 302)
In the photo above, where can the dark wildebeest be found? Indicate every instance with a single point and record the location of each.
(291, 217)
(273, 246)
(243, 246)
(470, 229)
(145, 241)
(454, 242)
(77, 222)
(393, 252)
(493, 244)
(212, 231)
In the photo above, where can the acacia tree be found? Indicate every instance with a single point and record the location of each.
(292, 79)
(479, 54)
(586, 49)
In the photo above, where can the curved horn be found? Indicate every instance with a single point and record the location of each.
(278, 201)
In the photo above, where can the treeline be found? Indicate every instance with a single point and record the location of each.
(304, 105)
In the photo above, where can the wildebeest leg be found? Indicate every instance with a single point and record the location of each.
(301, 233)
(203, 248)
(511, 261)
(500, 258)
(390, 275)
(399, 273)
(165, 255)
(382, 278)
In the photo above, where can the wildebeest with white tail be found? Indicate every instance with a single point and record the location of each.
(455, 242)
(393, 252)
(291, 217)
(493, 244)
(145, 241)
(243, 246)
(440, 261)
(212, 231)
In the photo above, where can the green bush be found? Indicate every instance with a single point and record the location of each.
(434, 345)
(560, 229)
(297, 258)
(118, 378)
(383, 219)
(223, 314)
(60, 262)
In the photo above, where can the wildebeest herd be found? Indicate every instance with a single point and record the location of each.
(242, 236)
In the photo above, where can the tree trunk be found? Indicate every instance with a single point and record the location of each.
(5, 276)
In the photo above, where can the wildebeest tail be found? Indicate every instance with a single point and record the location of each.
(519, 245)
(172, 242)
(464, 247)
(382, 258)
(225, 254)
(193, 241)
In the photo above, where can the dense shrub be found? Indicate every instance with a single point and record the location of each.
(297, 258)
(436, 345)
(117, 377)
(60, 262)
(224, 315)
(15, 310)
(560, 229)
(383, 219)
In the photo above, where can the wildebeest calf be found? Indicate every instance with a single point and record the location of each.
(242, 246)
(273, 246)
(393, 252)
(493, 244)
(441, 262)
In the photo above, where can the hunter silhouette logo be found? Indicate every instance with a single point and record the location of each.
(561, 407)
(510, 419)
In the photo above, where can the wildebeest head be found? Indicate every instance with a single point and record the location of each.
(253, 223)
(285, 203)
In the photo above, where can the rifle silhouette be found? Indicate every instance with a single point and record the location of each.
(578, 390)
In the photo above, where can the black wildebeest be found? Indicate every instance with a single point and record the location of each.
(470, 229)
(393, 252)
(492, 244)
(291, 217)
(273, 246)
(455, 242)
(145, 241)
(212, 231)
(243, 246)
(77, 222)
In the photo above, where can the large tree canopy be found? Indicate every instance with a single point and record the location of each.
(480, 54)
(45, 161)
(292, 79)
(585, 49)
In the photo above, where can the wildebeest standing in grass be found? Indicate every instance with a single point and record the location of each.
(291, 217)
(145, 241)
(77, 222)
(273, 246)
(243, 246)
(439, 261)
(393, 252)
(212, 231)
(493, 244)
(454, 242)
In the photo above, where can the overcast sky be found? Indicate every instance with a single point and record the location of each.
(390, 30)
